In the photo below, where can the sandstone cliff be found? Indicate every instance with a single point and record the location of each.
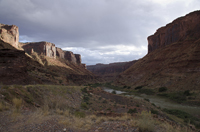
(42, 63)
(46, 48)
(183, 28)
(110, 71)
(173, 60)
(9, 34)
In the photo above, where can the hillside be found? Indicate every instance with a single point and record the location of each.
(173, 58)
(38, 62)
(110, 71)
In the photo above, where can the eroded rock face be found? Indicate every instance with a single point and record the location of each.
(9, 34)
(180, 29)
(68, 55)
(78, 58)
(173, 60)
(46, 48)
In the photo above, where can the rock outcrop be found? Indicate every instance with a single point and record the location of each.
(46, 48)
(173, 60)
(183, 28)
(110, 71)
(45, 64)
(68, 55)
(9, 34)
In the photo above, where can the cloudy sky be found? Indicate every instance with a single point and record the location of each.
(102, 31)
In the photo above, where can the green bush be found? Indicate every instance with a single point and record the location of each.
(146, 91)
(154, 111)
(187, 93)
(183, 115)
(162, 89)
(138, 87)
(132, 111)
(113, 92)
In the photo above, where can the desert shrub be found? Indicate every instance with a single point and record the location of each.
(84, 90)
(17, 103)
(146, 122)
(86, 98)
(79, 114)
(1, 106)
(104, 101)
(132, 111)
(187, 93)
(183, 115)
(178, 97)
(162, 89)
(146, 91)
(153, 104)
(125, 87)
(113, 92)
(154, 111)
(60, 81)
(146, 99)
(84, 105)
(138, 87)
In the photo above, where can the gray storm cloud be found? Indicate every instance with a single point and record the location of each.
(95, 26)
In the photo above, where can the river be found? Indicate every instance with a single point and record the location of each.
(162, 102)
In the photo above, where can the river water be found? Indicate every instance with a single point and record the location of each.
(162, 102)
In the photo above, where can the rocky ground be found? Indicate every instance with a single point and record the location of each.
(43, 108)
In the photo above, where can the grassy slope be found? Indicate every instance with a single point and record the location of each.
(81, 108)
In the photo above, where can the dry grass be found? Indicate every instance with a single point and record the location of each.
(146, 122)
(17, 103)
(79, 123)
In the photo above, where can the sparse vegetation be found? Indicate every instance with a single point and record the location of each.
(113, 92)
(146, 122)
(1, 106)
(146, 91)
(138, 87)
(130, 111)
(185, 116)
(17, 103)
(162, 89)
(75, 107)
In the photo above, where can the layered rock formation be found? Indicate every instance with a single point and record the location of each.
(45, 64)
(9, 34)
(110, 71)
(46, 48)
(173, 59)
(183, 28)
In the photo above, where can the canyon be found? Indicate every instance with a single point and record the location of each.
(172, 60)
(110, 71)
